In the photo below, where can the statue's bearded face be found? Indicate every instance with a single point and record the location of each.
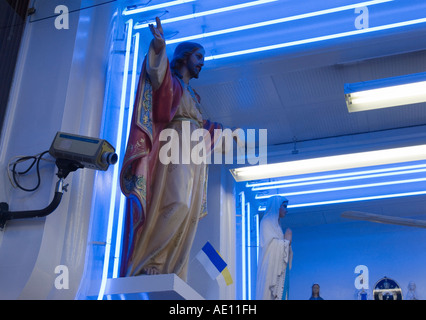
(195, 63)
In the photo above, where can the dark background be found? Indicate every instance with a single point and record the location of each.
(12, 22)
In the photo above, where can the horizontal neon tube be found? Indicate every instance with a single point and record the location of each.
(207, 13)
(276, 21)
(378, 197)
(127, 11)
(330, 163)
(332, 176)
(351, 187)
(316, 39)
(377, 175)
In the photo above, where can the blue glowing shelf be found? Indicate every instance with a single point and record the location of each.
(156, 287)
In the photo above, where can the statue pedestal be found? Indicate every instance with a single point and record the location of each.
(156, 287)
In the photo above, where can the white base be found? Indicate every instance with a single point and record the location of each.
(156, 287)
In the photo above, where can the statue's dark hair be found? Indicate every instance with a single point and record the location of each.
(181, 54)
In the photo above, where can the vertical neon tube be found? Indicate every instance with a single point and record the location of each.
(129, 121)
(116, 168)
(133, 83)
(256, 217)
(243, 245)
(118, 238)
(249, 275)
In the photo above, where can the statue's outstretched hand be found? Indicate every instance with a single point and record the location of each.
(288, 235)
(157, 32)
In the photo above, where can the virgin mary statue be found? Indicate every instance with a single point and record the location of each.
(275, 254)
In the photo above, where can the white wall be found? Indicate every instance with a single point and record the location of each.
(59, 86)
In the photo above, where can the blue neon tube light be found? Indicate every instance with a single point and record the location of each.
(248, 248)
(316, 39)
(243, 245)
(332, 176)
(350, 187)
(377, 197)
(357, 177)
(122, 197)
(276, 21)
(116, 168)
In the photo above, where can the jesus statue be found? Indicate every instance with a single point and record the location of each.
(164, 201)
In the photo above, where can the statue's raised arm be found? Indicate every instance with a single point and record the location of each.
(159, 42)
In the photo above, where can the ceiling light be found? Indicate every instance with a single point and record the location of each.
(384, 93)
(330, 163)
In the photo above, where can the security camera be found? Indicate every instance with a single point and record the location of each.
(83, 152)
(72, 152)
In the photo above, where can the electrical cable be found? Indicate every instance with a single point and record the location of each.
(35, 161)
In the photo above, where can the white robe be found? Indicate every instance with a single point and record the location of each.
(275, 255)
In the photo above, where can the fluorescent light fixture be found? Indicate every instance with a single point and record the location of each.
(209, 12)
(385, 93)
(330, 163)
(276, 21)
(316, 39)
(138, 9)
